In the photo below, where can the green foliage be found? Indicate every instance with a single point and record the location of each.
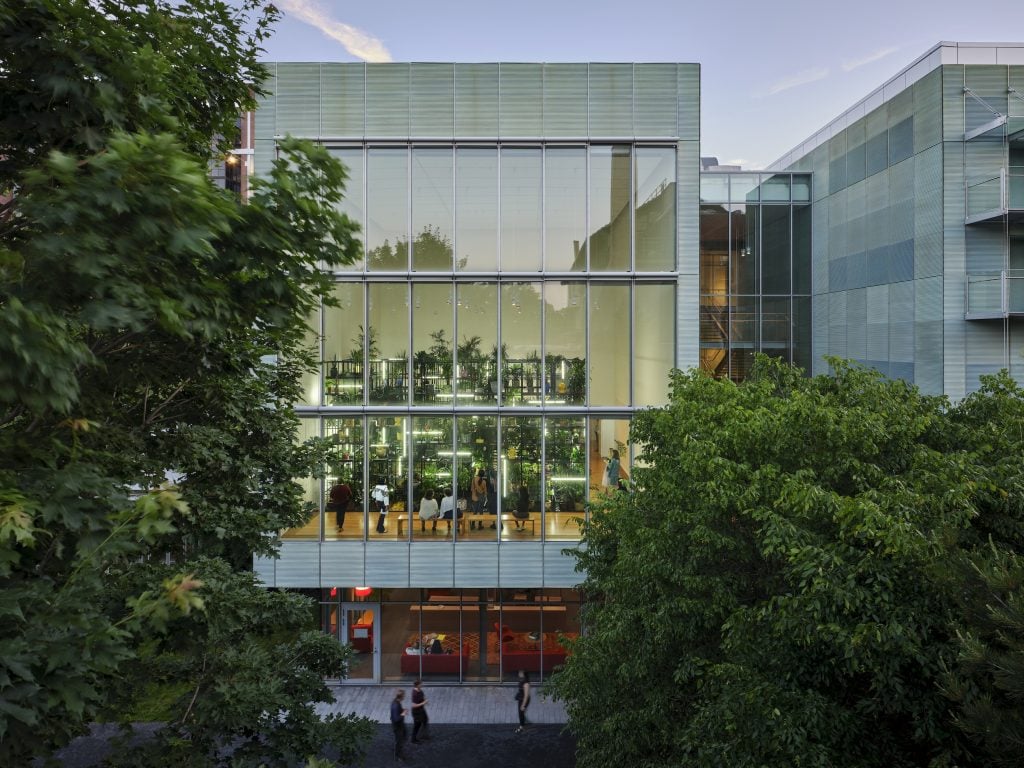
(784, 587)
(151, 327)
(254, 663)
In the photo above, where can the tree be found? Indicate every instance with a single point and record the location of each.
(784, 585)
(150, 327)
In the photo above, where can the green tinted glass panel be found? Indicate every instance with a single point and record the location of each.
(610, 204)
(565, 343)
(387, 100)
(653, 342)
(343, 89)
(655, 99)
(476, 99)
(521, 90)
(565, 208)
(609, 344)
(433, 100)
(387, 343)
(655, 205)
(521, 235)
(433, 208)
(611, 100)
(476, 209)
(298, 99)
(387, 226)
(565, 100)
(352, 202)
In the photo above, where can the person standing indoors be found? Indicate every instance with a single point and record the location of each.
(613, 470)
(420, 721)
(492, 495)
(398, 713)
(382, 498)
(478, 495)
(522, 699)
(337, 502)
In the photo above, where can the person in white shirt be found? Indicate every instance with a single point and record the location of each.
(428, 510)
(447, 510)
(382, 498)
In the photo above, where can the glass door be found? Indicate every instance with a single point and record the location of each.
(360, 629)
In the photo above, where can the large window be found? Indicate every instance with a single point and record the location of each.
(609, 344)
(610, 207)
(565, 209)
(653, 342)
(655, 209)
(521, 192)
(352, 202)
(432, 342)
(386, 342)
(433, 207)
(522, 371)
(565, 334)
(344, 346)
(387, 207)
(476, 209)
(476, 350)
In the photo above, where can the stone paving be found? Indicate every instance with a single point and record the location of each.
(467, 704)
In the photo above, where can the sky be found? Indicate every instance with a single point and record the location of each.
(772, 72)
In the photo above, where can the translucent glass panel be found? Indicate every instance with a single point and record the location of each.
(433, 333)
(655, 209)
(521, 191)
(476, 100)
(522, 493)
(521, 92)
(609, 344)
(565, 335)
(653, 342)
(387, 343)
(308, 428)
(344, 348)
(387, 100)
(432, 99)
(433, 209)
(476, 378)
(352, 203)
(566, 480)
(714, 188)
(565, 100)
(477, 467)
(611, 99)
(388, 465)
(775, 188)
(522, 369)
(610, 205)
(476, 211)
(775, 248)
(343, 93)
(431, 472)
(565, 208)
(387, 207)
(345, 467)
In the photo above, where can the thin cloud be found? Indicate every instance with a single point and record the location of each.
(793, 81)
(358, 43)
(881, 53)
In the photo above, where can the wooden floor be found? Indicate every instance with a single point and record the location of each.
(559, 526)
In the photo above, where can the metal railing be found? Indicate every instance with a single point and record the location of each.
(995, 294)
(993, 196)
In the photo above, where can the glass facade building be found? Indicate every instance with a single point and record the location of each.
(525, 250)
(538, 248)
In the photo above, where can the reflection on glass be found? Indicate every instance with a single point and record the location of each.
(521, 490)
(387, 342)
(775, 188)
(565, 212)
(609, 344)
(521, 174)
(476, 459)
(566, 476)
(775, 327)
(743, 188)
(388, 465)
(387, 189)
(344, 468)
(654, 342)
(476, 209)
(352, 203)
(432, 336)
(310, 381)
(714, 188)
(801, 249)
(610, 192)
(565, 343)
(433, 204)
(655, 209)
(308, 429)
(343, 346)
(801, 189)
(431, 473)
(743, 321)
(476, 375)
(522, 372)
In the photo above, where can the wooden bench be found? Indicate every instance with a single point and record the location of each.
(402, 519)
(505, 519)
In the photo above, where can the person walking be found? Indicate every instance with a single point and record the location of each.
(398, 713)
(522, 699)
(337, 502)
(382, 498)
(420, 721)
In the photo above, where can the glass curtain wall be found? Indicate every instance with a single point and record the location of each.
(352, 202)
(521, 492)
(566, 476)
(387, 465)
(609, 343)
(476, 209)
(311, 488)
(655, 209)
(477, 468)
(477, 326)
(565, 209)
(521, 213)
(610, 207)
(345, 468)
(654, 338)
(522, 369)
(387, 208)
(344, 346)
(565, 343)
(387, 342)
(433, 209)
(431, 473)
(755, 245)
(432, 335)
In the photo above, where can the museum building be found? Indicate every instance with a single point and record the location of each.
(539, 248)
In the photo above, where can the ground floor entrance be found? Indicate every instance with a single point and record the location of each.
(450, 635)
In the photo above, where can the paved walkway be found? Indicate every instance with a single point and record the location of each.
(467, 704)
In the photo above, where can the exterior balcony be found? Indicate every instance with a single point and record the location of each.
(996, 198)
(995, 295)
